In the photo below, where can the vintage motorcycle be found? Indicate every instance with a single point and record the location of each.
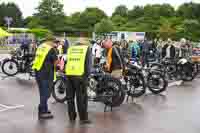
(137, 79)
(18, 63)
(179, 69)
(101, 87)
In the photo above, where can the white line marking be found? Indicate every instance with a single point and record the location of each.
(10, 107)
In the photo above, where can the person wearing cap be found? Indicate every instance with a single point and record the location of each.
(44, 66)
(77, 69)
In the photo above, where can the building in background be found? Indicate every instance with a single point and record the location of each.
(117, 35)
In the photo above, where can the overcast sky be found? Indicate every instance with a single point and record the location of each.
(71, 6)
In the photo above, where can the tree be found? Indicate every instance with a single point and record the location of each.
(135, 13)
(51, 14)
(105, 26)
(167, 28)
(13, 11)
(166, 10)
(34, 22)
(121, 10)
(90, 17)
(189, 10)
(118, 20)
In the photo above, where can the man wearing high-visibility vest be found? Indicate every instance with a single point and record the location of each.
(44, 66)
(79, 63)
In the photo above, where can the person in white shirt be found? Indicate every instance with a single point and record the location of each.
(98, 52)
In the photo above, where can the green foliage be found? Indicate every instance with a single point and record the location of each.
(39, 33)
(135, 13)
(159, 20)
(11, 10)
(105, 26)
(118, 21)
(90, 17)
(121, 10)
(50, 14)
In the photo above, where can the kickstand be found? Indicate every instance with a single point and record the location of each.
(29, 78)
(127, 98)
(132, 98)
(111, 107)
(105, 108)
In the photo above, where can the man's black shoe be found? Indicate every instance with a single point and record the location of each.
(82, 122)
(45, 116)
(48, 112)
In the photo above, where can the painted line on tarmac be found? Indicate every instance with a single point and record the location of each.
(10, 107)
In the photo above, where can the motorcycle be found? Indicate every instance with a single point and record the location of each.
(137, 79)
(180, 69)
(17, 63)
(101, 87)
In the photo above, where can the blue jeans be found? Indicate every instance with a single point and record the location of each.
(44, 91)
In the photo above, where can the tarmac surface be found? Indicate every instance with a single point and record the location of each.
(175, 111)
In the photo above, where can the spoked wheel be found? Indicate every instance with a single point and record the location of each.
(195, 69)
(188, 72)
(114, 94)
(10, 67)
(59, 91)
(187, 76)
(156, 82)
(137, 86)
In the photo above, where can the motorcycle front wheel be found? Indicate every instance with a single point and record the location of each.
(114, 93)
(10, 67)
(156, 82)
(59, 90)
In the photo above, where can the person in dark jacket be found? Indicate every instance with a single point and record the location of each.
(145, 52)
(66, 46)
(114, 60)
(169, 50)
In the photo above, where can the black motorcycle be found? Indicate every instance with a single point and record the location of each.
(101, 87)
(178, 69)
(137, 79)
(18, 63)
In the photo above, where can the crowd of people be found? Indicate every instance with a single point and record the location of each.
(144, 51)
(81, 57)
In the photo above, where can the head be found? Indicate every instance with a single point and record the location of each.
(98, 42)
(116, 44)
(169, 41)
(62, 42)
(130, 41)
(183, 41)
(50, 39)
(26, 36)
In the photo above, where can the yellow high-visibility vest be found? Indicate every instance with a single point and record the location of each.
(76, 60)
(41, 54)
